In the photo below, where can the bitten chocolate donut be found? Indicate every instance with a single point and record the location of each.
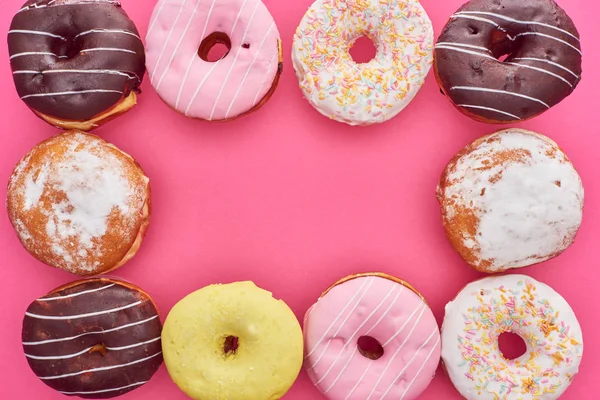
(97, 339)
(79, 203)
(510, 200)
(542, 67)
(76, 63)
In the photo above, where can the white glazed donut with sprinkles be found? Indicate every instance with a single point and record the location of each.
(521, 305)
(373, 92)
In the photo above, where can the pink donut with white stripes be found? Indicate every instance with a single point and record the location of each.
(179, 39)
(371, 337)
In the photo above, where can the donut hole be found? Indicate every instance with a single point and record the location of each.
(231, 345)
(215, 47)
(363, 50)
(511, 345)
(370, 347)
(99, 348)
(68, 49)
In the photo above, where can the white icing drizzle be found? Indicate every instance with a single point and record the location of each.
(224, 84)
(479, 89)
(422, 307)
(264, 80)
(359, 380)
(65, 357)
(101, 368)
(489, 109)
(189, 67)
(71, 93)
(29, 32)
(505, 18)
(241, 86)
(437, 341)
(543, 71)
(35, 53)
(552, 38)
(42, 342)
(475, 53)
(67, 317)
(77, 294)
(107, 49)
(386, 312)
(80, 71)
(124, 32)
(397, 351)
(51, 3)
(352, 338)
(362, 295)
(106, 390)
(462, 45)
(547, 62)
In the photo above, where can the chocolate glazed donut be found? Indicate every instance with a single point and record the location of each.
(76, 61)
(97, 338)
(542, 68)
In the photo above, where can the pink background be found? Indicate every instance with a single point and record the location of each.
(293, 201)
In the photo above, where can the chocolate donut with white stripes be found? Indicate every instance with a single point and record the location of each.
(504, 61)
(96, 339)
(76, 63)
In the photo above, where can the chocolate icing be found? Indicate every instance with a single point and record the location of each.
(60, 22)
(543, 66)
(135, 327)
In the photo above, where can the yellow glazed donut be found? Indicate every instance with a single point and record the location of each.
(232, 342)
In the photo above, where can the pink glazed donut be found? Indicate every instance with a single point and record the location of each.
(179, 39)
(371, 337)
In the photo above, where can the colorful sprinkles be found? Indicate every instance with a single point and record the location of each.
(363, 93)
(554, 346)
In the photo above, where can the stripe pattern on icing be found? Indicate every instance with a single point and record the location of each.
(385, 310)
(219, 90)
(554, 61)
(62, 332)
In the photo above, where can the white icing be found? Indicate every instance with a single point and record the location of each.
(509, 295)
(533, 208)
(547, 62)
(84, 351)
(76, 294)
(74, 92)
(480, 89)
(92, 314)
(35, 187)
(120, 31)
(35, 53)
(40, 33)
(489, 109)
(107, 49)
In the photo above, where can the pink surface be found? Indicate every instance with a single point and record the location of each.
(390, 313)
(293, 201)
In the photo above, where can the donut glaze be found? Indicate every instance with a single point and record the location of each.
(79, 204)
(542, 68)
(510, 200)
(232, 342)
(390, 312)
(98, 338)
(519, 304)
(238, 83)
(74, 60)
(373, 92)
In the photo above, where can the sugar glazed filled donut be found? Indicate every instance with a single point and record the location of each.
(232, 342)
(518, 304)
(371, 336)
(179, 40)
(79, 204)
(95, 339)
(76, 63)
(541, 68)
(373, 92)
(509, 200)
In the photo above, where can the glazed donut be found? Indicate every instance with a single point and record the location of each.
(80, 204)
(484, 310)
(542, 68)
(374, 92)
(510, 200)
(95, 339)
(232, 342)
(371, 336)
(179, 39)
(76, 63)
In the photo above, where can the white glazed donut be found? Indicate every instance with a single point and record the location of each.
(373, 92)
(519, 304)
(181, 34)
